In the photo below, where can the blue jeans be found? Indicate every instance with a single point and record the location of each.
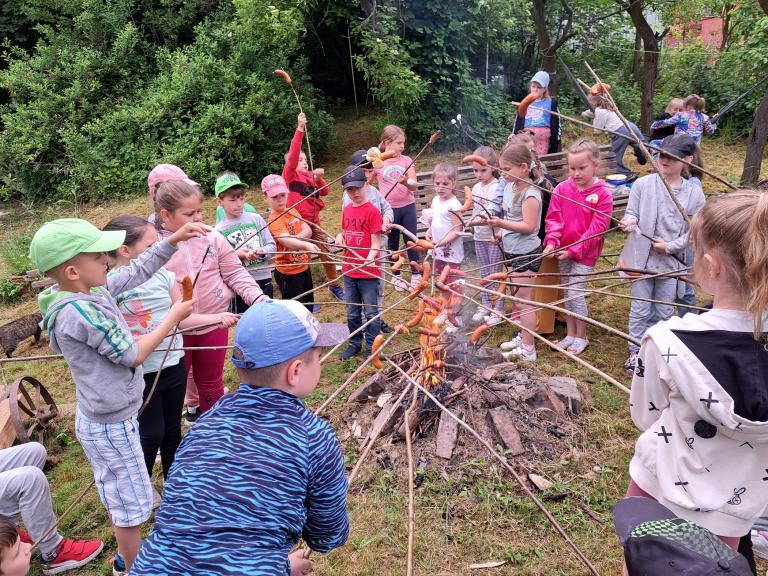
(362, 291)
(619, 146)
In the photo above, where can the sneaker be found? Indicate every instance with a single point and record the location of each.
(337, 291)
(386, 328)
(118, 565)
(192, 414)
(493, 318)
(479, 316)
(511, 344)
(350, 352)
(522, 352)
(629, 365)
(565, 342)
(578, 346)
(399, 284)
(315, 308)
(450, 328)
(759, 543)
(72, 554)
(415, 281)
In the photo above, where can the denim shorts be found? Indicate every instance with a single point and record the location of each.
(115, 454)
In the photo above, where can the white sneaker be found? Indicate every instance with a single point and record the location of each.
(415, 280)
(479, 316)
(511, 344)
(450, 328)
(759, 543)
(400, 284)
(522, 352)
(565, 342)
(493, 319)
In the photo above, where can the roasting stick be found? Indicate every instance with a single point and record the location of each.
(409, 451)
(504, 462)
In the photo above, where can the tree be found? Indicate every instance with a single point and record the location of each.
(753, 161)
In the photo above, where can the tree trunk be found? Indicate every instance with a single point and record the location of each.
(756, 144)
(650, 63)
(637, 59)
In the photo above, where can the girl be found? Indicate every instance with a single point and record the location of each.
(545, 126)
(570, 221)
(657, 135)
(220, 274)
(700, 391)
(446, 226)
(519, 225)
(487, 198)
(651, 211)
(607, 119)
(144, 308)
(691, 121)
(397, 182)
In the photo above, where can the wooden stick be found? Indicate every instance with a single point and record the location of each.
(409, 451)
(504, 462)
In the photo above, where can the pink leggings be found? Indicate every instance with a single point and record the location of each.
(207, 365)
(635, 490)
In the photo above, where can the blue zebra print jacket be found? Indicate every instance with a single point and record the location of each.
(255, 474)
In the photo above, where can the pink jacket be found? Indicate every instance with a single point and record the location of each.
(222, 274)
(568, 222)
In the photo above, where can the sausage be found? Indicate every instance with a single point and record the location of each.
(495, 277)
(435, 136)
(427, 332)
(412, 245)
(425, 244)
(438, 364)
(417, 316)
(375, 359)
(186, 289)
(426, 271)
(523, 108)
(479, 331)
(444, 274)
(402, 329)
(467, 200)
(387, 154)
(474, 158)
(284, 75)
(401, 260)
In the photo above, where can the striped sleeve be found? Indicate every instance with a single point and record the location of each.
(86, 323)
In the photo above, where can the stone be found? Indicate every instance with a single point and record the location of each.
(447, 436)
(371, 388)
(385, 420)
(544, 397)
(567, 389)
(540, 482)
(504, 424)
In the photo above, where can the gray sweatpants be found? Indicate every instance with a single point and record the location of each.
(24, 492)
(643, 315)
(576, 301)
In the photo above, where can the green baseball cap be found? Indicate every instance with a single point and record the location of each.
(227, 181)
(59, 240)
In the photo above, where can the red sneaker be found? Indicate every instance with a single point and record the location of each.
(73, 554)
(24, 536)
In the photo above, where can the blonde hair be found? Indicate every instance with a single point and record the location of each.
(389, 134)
(674, 103)
(517, 153)
(736, 226)
(448, 169)
(584, 145)
(169, 196)
(696, 102)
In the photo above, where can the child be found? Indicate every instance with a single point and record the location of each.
(545, 126)
(144, 307)
(163, 173)
(486, 203)
(445, 228)
(693, 174)
(374, 197)
(260, 471)
(25, 493)
(607, 119)
(397, 182)
(652, 212)
(225, 180)
(700, 392)
(219, 275)
(305, 188)
(361, 224)
(246, 232)
(658, 134)
(691, 121)
(569, 221)
(86, 326)
(292, 273)
(519, 226)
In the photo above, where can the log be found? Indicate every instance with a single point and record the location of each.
(371, 388)
(505, 427)
(447, 436)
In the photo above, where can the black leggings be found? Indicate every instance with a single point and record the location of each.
(292, 285)
(405, 217)
(160, 423)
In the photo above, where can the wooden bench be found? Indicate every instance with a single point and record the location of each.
(557, 167)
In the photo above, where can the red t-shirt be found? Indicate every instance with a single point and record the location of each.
(359, 223)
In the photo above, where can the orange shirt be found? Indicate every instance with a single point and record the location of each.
(287, 223)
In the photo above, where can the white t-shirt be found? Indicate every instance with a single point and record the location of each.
(442, 223)
(488, 196)
(607, 120)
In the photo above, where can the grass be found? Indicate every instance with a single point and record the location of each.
(473, 514)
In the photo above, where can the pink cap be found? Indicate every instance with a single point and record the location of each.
(163, 173)
(273, 185)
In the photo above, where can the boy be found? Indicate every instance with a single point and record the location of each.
(24, 492)
(292, 272)
(361, 224)
(259, 471)
(374, 197)
(305, 188)
(226, 179)
(86, 326)
(246, 232)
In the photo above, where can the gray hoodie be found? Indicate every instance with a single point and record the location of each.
(93, 336)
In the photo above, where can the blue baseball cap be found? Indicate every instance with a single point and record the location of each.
(274, 331)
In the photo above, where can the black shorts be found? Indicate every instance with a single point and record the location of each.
(530, 261)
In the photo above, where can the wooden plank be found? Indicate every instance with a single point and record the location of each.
(504, 424)
(7, 431)
(447, 435)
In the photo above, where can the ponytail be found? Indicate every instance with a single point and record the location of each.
(756, 261)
